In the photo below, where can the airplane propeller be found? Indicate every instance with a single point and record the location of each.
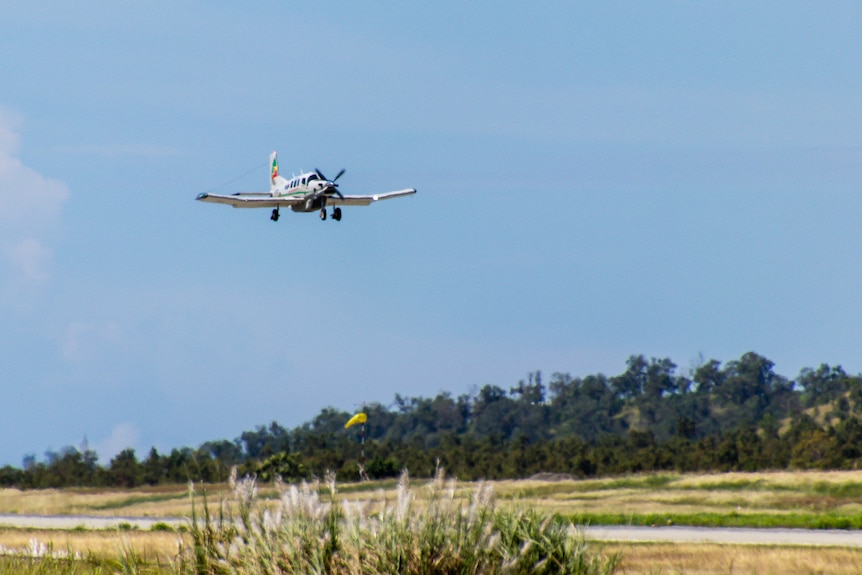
(333, 180)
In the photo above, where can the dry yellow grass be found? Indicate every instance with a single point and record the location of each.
(671, 559)
(153, 546)
(740, 493)
(631, 501)
(638, 559)
(768, 492)
(83, 501)
(788, 479)
(166, 501)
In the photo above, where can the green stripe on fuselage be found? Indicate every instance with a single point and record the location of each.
(297, 193)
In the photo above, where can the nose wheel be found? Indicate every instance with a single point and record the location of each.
(323, 214)
(274, 216)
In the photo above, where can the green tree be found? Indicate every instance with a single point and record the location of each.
(630, 384)
(125, 470)
(284, 465)
(822, 385)
(587, 408)
(494, 413)
(154, 470)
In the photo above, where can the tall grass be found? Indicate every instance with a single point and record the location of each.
(42, 559)
(439, 535)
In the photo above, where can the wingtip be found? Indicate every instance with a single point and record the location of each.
(202, 196)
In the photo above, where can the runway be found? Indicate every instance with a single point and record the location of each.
(617, 533)
(65, 522)
(727, 535)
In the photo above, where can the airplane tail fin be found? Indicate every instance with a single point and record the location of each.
(274, 179)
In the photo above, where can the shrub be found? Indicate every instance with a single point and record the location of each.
(437, 535)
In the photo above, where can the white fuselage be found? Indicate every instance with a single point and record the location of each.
(308, 186)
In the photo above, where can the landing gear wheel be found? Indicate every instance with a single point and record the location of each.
(323, 214)
(274, 216)
(336, 214)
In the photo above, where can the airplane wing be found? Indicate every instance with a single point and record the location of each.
(366, 200)
(249, 200)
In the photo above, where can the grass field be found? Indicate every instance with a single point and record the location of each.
(802, 499)
(685, 559)
(778, 499)
(641, 559)
(162, 501)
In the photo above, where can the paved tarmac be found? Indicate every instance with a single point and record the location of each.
(84, 521)
(728, 535)
(672, 534)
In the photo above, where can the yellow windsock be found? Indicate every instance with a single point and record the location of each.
(358, 418)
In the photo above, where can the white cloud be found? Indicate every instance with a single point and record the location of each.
(29, 204)
(123, 436)
(83, 341)
(26, 265)
(28, 199)
(28, 259)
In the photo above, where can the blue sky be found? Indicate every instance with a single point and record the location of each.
(595, 180)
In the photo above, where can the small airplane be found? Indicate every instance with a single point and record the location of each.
(306, 192)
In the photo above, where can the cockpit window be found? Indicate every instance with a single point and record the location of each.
(312, 177)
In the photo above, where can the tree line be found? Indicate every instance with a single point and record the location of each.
(733, 416)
